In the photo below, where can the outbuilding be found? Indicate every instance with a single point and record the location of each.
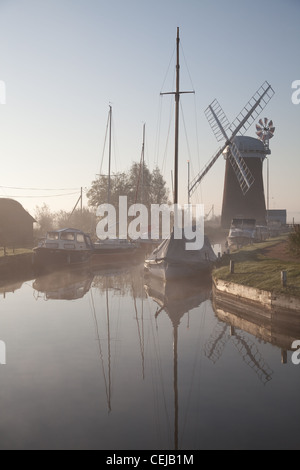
(16, 224)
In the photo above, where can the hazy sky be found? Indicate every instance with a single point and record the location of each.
(64, 61)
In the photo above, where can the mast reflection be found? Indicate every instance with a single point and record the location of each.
(176, 298)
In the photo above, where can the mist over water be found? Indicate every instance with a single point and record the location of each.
(112, 359)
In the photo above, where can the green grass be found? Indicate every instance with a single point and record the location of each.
(14, 252)
(254, 269)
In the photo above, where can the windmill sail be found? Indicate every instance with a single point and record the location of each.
(243, 174)
(252, 110)
(217, 120)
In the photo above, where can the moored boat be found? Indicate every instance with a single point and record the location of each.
(171, 260)
(65, 247)
(113, 251)
(242, 232)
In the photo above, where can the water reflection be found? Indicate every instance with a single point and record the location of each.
(245, 347)
(176, 298)
(279, 327)
(10, 288)
(63, 285)
(142, 364)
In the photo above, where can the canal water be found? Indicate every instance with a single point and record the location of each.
(114, 360)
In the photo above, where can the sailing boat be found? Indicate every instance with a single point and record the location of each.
(112, 249)
(171, 260)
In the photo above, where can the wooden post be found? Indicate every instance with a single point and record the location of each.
(283, 356)
(283, 278)
(231, 267)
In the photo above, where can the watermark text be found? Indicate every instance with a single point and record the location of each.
(296, 354)
(2, 92)
(133, 222)
(296, 93)
(2, 353)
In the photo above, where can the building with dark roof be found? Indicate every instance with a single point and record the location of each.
(16, 224)
(277, 216)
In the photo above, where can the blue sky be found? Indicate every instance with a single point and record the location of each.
(64, 61)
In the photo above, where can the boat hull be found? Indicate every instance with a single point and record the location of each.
(169, 271)
(240, 240)
(47, 258)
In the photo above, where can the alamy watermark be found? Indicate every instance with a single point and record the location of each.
(296, 93)
(2, 353)
(133, 222)
(2, 92)
(296, 354)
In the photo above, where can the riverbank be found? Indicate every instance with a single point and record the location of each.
(257, 274)
(16, 264)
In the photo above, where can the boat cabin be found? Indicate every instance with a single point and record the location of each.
(67, 239)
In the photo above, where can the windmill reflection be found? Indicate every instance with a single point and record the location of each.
(238, 319)
(176, 298)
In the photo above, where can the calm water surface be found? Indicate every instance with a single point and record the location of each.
(113, 360)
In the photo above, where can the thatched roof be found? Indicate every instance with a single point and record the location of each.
(11, 209)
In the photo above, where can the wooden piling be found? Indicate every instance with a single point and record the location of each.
(283, 278)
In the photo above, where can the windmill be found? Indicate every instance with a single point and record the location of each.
(243, 187)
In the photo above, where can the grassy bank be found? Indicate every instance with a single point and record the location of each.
(14, 251)
(257, 266)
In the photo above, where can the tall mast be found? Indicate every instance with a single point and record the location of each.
(177, 97)
(177, 94)
(109, 157)
(143, 164)
(189, 178)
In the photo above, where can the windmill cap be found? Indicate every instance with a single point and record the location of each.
(249, 146)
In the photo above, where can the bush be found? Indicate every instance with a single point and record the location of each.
(294, 241)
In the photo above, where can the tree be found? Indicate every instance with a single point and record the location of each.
(98, 193)
(140, 184)
(158, 192)
(139, 187)
(84, 220)
(45, 219)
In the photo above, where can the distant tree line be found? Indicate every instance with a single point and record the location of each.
(139, 185)
(46, 220)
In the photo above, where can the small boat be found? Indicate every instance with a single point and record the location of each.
(146, 241)
(113, 251)
(113, 246)
(171, 260)
(261, 233)
(242, 232)
(65, 247)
